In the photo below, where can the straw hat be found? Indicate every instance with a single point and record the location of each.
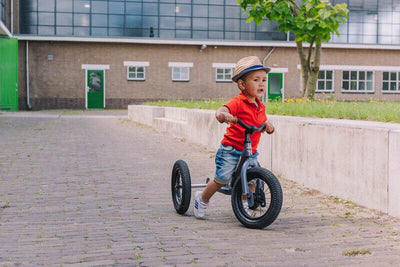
(246, 65)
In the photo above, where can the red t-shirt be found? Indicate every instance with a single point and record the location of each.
(248, 112)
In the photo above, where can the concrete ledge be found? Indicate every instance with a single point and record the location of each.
(179, 114)
(175, 127)
(354, 160)
(145, 114)
(204, 129)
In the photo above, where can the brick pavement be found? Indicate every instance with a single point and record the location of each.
(93, 189)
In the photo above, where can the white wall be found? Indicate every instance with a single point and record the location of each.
(354, 160)
(394, 173)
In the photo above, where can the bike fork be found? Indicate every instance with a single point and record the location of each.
(245, 187)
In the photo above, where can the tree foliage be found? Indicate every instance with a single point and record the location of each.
(311, 21)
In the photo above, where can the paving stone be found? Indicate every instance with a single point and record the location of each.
(93, 189)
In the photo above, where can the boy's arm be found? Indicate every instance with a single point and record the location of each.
(223, 114)
(269, 128)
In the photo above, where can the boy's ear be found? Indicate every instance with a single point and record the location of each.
(241, 84)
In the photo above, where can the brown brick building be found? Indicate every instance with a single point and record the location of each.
(79, 56)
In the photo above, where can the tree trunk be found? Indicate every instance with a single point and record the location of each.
(304, 81)
(304, 68)
(312, 84)
(309, 69)
(313, 73)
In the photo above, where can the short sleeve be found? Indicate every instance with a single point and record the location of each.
(233, 105)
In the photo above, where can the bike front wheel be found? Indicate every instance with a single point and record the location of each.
(181, 186)
(267, 195)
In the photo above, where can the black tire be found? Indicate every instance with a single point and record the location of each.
(181, 186)
(267, 204)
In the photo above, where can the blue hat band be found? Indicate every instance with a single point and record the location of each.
(253, 68)
(236, 77)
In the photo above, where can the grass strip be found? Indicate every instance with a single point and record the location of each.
(369, 111)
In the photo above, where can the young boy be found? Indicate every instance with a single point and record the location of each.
(250, 76)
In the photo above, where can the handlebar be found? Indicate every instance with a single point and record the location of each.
(250, 128)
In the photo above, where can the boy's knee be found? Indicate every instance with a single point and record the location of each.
(220, 181)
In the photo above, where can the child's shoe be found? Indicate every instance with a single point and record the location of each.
(199, 205)
(246, 206)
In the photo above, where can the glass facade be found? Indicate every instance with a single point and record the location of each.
(165, 19)
(370, 21)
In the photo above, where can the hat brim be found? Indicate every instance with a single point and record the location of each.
(240, 74)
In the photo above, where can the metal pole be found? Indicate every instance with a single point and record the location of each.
(198, 185)
(27, 75)
(12, 17)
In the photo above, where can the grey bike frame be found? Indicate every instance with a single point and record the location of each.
(246, 161)
(249, 163)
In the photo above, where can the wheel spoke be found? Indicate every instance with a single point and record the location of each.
(178, 188)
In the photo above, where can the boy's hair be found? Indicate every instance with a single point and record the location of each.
(245, 65)
(243, 77)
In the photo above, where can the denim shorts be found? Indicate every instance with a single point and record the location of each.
(226, 160)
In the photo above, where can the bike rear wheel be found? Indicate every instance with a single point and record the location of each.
(181, 186)
(268, 199)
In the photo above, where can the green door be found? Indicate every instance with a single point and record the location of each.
(95, 89)
(8, 73)
(275, 85)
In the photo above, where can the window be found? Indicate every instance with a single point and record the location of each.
(357, 81)
(136, 70)
(180, 71)
(136, 73)
(391, 82)
(325, 81)
(223, 74)
(223, 71)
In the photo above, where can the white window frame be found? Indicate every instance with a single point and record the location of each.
(136, 64)
(325, 80)
(390, 81)
(224, 67)
(358, 81)
(183, 69)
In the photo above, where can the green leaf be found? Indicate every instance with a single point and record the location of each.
(310, 26)
(324, 14)
(298, 39)
(309, 6)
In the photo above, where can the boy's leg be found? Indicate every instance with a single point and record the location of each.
(201, 199)
(252, 189)
(210, 190)
(225, 160)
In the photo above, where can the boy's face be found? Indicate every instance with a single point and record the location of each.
(254, 84)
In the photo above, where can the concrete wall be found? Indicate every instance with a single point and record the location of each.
(354, 160)
(394, 173)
